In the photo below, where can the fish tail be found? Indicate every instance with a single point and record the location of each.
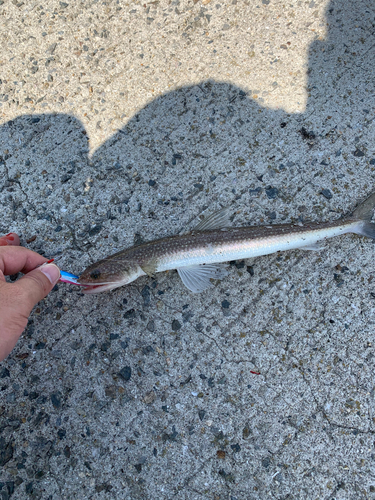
(363, 214)
(367, 229)
(364, 211)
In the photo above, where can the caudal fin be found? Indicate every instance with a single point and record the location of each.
(366, 229)
(365, 210)
(363, 214)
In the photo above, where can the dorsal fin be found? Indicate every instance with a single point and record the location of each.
(217, 220)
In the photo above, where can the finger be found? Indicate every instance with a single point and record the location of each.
(12, 324)
(11, 239)
(14, 259)
(34, 286)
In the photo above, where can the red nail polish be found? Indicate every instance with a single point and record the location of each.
(10, 238)
(6, 235)
(49, 261)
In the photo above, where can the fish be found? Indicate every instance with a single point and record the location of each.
(199, 255)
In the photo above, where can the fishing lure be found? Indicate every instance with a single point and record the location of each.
(69, 278)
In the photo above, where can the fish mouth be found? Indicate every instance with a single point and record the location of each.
(90, 289)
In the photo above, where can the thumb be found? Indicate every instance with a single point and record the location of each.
(36, 284)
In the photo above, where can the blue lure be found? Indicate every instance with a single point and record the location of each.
(69, 278)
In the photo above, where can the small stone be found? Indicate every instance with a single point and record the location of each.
(103, 487)
(95, 230)
(148, 349)
(211, 382)
(151, 326)
(307, 134)
(235, 447)
(149, 397)
(326, 193)
(111, 391)
(105, 346)
(201, 414)
(56, 399)
(6, 451)
(225, 304)
(176, 325)
(130, 314)
(220, 454)
(146, 295)
(65, 178)
(51, 49)
(76, 345)
(250, 270)
(271, 215)
(61, 433)
(272, 192)
(228, 476)
(4, 372)
(358, 153)
(151, 182)
(125, 373)
(29, 488)
(266, 462)
(170, 437)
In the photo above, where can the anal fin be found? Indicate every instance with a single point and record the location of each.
(197, 278)
(314, 247)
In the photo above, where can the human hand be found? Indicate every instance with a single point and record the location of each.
(18, 299)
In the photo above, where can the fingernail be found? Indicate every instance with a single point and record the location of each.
(51, 271)
(8, 237)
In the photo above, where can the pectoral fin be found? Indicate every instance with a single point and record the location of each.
(197, 278)
(149, 268)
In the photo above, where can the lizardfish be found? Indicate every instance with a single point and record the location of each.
(198, 255)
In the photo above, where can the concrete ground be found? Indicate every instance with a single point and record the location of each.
(125, 120)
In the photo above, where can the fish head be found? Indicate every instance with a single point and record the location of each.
(108, 274)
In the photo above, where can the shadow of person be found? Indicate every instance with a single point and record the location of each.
(195, 148)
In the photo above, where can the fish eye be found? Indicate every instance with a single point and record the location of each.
(95, 274)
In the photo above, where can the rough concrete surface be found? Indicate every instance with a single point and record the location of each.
(123, 121)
